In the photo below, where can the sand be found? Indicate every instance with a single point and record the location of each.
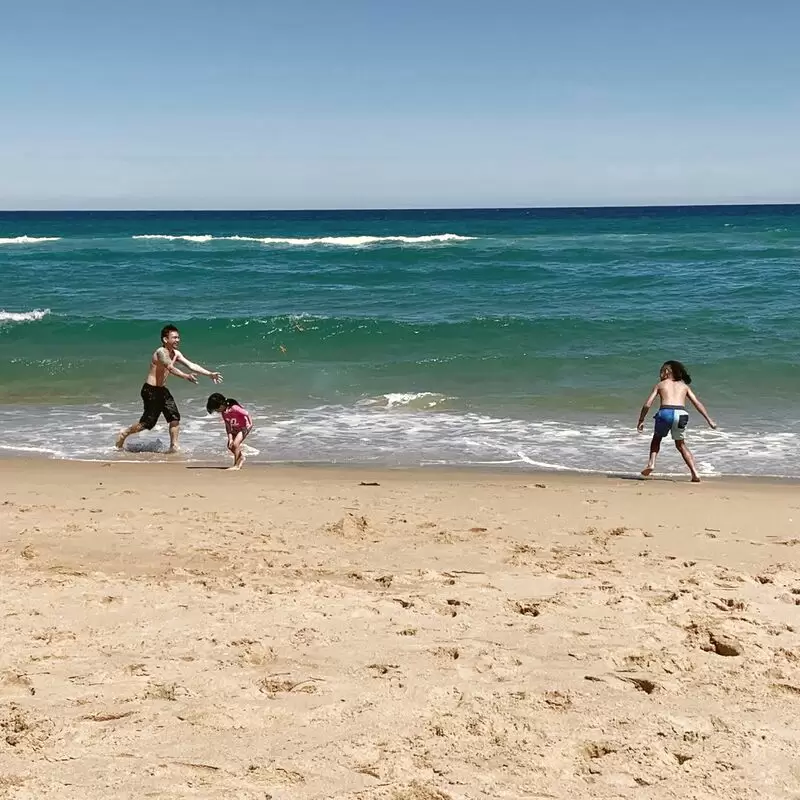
(290, 633)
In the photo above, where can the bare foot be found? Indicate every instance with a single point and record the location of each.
(119, 444)
(647, 471)
(173, 450)
(235, 467)
(695, 479)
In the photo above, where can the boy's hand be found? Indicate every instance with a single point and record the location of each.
(215, 377)
(640, 426)
(712, 424)
(191, 378)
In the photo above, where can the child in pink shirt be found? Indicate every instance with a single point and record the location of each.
(237, 424)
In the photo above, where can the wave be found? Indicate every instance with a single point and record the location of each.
(415, 401)
(23, 316)
(28, 239)
(354, 435)
(335, 241)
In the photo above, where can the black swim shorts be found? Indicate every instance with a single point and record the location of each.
(157, 401)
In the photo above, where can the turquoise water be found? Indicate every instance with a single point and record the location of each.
(491, 337)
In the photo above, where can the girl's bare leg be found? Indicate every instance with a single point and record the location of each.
(238, 453)
(689, 459)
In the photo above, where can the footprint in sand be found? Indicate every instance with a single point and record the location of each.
(556, 700)
(23, 731)
(271, 774)
(383, 670)
(527, 608)
(253, 652)
(598, 749)
(273, 685)
(447, 653)
(15, 683)
(714, 641)
(420, 791)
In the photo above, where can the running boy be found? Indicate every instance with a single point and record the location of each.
(237, 424)
(672, 418)
(156, 398)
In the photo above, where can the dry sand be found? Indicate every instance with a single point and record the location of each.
(288, 633)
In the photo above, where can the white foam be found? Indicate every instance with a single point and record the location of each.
(200, 239)
(23, 316)
(408, 432)
(29, 239)
(336, 241)
(415, 400)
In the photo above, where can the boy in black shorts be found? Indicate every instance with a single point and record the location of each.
(156, 398)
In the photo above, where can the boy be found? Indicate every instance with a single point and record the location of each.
(672, 418)
(156, 397)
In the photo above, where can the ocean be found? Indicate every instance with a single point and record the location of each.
(501, 338)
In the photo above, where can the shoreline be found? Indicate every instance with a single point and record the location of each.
(396, 439)
(482, 473)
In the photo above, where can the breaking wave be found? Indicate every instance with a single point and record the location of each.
(28, 239)
(23, 316)
(334, 241)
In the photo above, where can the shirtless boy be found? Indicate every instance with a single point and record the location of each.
(156, 397)
(672, 418)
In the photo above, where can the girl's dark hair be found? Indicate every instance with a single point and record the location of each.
(217, 401)
(679, 372)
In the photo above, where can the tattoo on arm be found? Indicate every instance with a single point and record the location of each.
(162, 355)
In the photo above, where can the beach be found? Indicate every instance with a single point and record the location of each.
(176, 631)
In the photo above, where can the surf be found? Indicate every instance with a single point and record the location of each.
(23, 316)
(332, 241)
(28, 239)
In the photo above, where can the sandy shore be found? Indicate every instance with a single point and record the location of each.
(289, 633)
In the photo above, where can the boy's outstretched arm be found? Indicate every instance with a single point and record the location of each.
(645, 408)
(701, 408)
(216, 377)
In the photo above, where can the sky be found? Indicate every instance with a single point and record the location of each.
(317, 104)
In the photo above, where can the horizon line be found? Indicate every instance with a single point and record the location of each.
(737, 204)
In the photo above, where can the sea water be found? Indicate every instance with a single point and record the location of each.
(524, 338)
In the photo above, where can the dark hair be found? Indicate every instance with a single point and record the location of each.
(167, 330)
(217, 401)
(679, 372)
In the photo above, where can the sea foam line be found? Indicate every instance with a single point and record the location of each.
(29, 239)
(23, 316)
(337, 241)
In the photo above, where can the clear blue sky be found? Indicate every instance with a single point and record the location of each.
(411, 103)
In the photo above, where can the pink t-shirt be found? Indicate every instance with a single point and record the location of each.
(236, 419)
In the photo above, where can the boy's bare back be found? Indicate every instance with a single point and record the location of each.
(673, 393)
